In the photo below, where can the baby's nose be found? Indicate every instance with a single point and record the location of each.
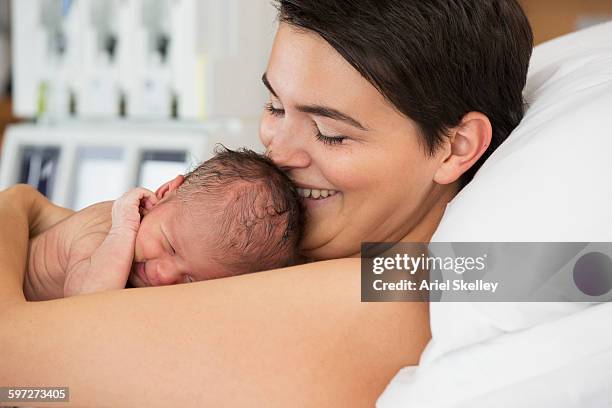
(166, 274)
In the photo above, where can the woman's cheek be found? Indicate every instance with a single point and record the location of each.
(352, 169)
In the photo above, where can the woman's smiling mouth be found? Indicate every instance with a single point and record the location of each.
(314, 193)
(317, 197)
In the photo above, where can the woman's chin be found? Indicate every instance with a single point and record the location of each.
(322, 244)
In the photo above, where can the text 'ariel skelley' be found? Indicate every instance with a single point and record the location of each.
(457, 285)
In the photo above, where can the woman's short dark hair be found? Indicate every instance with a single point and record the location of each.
(434, 60)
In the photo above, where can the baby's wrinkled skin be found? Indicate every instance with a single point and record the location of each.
(141, 237)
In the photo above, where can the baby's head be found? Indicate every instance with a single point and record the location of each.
(235, 213)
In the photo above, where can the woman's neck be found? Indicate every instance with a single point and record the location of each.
(432, 212)
(429, 217)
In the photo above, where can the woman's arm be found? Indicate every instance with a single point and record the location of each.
(42, 213)
(16, 211)
(47, 214)
(24, 213)
(291, 337)
(294, 337)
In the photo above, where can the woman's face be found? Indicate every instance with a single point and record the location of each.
(330, 129)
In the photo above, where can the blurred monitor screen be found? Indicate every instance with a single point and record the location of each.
(100, 174)
(39, 166)
(158, 167)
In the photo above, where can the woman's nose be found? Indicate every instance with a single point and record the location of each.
(288, 152)
(284, 144)
(288, 158)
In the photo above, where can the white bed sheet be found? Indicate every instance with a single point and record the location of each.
(564, 363)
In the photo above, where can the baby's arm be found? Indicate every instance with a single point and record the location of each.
(109, 265)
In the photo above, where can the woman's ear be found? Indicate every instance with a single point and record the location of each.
(468, 141)
(169, 186)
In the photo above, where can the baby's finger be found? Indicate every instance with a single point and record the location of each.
(151, 201)
(147, 203)
(146, 198)
(143, 192)
(139, 193)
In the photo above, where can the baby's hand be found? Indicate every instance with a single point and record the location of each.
(109, 265)
(130, 207)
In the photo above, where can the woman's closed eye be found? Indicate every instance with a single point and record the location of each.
(274, 111)
(328, 140)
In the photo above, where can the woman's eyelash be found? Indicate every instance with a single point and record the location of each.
(273, 110)
(329, 140)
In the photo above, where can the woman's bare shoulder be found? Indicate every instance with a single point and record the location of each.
(263, 339)
(95, 213)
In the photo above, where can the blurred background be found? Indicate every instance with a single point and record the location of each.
(98, 96)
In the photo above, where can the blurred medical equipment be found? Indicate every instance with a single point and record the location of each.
(130, 92)
(77, 164)
(186, 59)
(5, 55)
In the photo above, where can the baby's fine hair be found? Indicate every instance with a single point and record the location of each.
(256, 206)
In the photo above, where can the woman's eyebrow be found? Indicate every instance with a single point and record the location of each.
(264, 79)
(319, 110)
(331, 113)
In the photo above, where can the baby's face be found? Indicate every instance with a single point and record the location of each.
(170, 249)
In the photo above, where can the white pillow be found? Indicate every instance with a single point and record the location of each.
(552, 178)
(551, 181)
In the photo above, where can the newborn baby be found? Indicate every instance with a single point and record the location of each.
(234, 214)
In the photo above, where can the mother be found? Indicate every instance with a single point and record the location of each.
(393, 104)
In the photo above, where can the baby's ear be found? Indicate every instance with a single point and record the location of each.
(169, 186)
